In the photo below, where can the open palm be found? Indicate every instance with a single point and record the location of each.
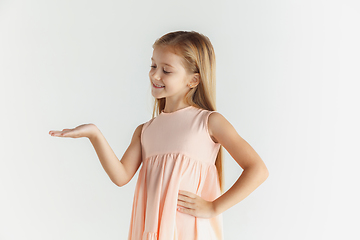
(84, 130)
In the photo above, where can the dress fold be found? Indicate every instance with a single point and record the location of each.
(149, 236)
(177, 154)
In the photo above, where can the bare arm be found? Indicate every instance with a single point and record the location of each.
(120, 172)
(254, 170)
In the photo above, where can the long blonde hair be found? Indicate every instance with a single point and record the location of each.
(198, 57)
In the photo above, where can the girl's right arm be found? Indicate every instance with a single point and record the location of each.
(120, 172)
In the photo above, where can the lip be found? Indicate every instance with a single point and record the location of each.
(156, 86)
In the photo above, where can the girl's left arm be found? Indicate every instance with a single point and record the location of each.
(254, 169)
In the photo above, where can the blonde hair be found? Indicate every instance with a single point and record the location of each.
(198, 57)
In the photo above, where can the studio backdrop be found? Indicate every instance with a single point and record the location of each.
(287, 80)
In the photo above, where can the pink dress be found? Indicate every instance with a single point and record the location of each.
(177, 154)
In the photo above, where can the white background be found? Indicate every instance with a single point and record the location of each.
(287, 79)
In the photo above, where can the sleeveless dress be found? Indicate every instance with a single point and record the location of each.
(177, 154)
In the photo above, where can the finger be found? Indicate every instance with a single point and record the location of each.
(55, 133)
(59, 133)
(186, 210)
(66, 130)
(188, 194)
(186, 204)
(185, 198)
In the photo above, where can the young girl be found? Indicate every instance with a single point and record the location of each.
(179, 191)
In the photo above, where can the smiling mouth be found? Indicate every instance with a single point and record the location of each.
(157, 86)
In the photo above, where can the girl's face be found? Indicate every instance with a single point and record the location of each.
(168, 77)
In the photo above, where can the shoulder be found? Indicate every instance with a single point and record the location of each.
(219, 127)
(139, 129)
(214, 119)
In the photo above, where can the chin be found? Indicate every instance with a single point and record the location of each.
(157, 96)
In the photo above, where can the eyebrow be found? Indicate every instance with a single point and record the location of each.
(164, 63)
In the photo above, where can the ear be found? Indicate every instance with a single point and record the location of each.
(195, 80)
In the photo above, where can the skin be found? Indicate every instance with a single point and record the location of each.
(253, 175)
(175, 78)
(176, 83)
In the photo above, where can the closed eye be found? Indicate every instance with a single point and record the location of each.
(163, 70)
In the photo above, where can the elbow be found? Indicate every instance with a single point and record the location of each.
(261, 171)
(120, 183)
(120, 179)
(265, 173)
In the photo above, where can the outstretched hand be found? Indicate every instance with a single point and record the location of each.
(84, 130)
(194, 205)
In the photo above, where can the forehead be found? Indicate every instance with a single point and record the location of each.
(166, 56)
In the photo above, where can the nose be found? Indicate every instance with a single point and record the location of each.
(156, 76)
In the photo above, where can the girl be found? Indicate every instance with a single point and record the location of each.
(179, 191)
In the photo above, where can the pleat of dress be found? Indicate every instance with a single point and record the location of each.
(171, 164)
